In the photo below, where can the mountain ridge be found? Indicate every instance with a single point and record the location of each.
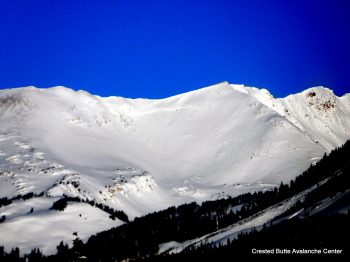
(222, 83)
(142, 155)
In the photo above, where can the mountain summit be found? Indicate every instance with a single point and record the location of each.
(141, 155)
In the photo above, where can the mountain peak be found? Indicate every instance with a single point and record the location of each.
(321, 98)
(318, 90)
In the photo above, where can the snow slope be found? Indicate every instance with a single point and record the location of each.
(141, 155)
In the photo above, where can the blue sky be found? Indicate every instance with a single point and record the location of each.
(157, 49)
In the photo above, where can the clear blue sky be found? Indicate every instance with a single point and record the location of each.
(156, 49)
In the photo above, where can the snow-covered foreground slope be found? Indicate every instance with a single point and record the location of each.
(140, 155)
(45, 229)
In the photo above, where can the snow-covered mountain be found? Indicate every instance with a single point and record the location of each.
(141, 155)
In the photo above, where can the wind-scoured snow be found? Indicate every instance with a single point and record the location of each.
(319, 113)
(142, 155)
